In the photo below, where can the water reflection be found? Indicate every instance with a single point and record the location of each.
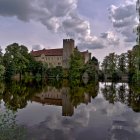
(67, 96)
(17, 94)
(124, 93)
(121, 130)
(72, 110)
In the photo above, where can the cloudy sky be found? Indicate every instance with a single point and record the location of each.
(101, 26)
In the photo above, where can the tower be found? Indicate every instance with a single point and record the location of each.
(67, 106)
(138, 27)
(68, 48)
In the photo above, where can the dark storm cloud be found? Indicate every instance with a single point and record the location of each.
(20, 9)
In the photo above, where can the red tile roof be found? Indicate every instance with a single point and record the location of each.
(48, 52)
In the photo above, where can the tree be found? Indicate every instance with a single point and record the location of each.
(15, 59)
(134, 64)
(2, 68)
(109, 92)
(76, 65)
(112, 62)
(92, 68)
(2, 71)
(130, 64)
(109, 65)
(122, 63)
(105, 65)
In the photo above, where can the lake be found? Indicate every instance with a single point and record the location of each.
(59, 110)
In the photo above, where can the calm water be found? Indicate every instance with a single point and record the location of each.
(61, 111)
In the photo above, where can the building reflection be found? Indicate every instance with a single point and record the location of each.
(16, 95)
(60, 97)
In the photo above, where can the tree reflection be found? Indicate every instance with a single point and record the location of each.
(109, 92)
(64, 93)
(9, 129)
(135, 97)
(80, 93)
(17, 94)
(129, 95)
(122, 96)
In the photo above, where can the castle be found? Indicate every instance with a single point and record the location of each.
(59, 56)
(60, 97)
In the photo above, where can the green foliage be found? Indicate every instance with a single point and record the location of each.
(38, 77)
(126, 64)
(110, 66)
(81, 93)
(15, 59)
(133, 63)
(55, 72)
(109, 92)
(37, 67)
(2, 71)
(92, 68)
(55, 83)
(2, 88)
(136, 78)
(122, 63)
(129, 95)
(27, 77)
(9, 130)
(16, 94)
(109, 63)
(76, 65)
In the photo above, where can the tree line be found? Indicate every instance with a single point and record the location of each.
(18, 61)
(126, 64)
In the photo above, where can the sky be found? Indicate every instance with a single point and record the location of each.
(100, 26)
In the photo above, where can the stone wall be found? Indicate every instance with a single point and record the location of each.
(68, 48)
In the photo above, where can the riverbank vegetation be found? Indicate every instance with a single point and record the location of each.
(18, 63)
(125, 66)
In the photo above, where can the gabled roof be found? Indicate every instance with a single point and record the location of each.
(48, 52)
